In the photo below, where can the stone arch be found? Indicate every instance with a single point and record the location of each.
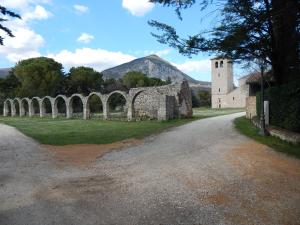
(71, 107)
(145, 103)
(44, 107)
(125, 104)
(26, 107)
(36, 110)
(88, 103)
(7, 107)
(17, 106)
(56, 109)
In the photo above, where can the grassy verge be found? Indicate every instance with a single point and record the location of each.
(245, 126)
(62, 131)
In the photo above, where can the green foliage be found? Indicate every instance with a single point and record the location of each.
(38, 77)
(205, 98)
(84, 80)
(284, 105)
(249, 30)
(245, 126)
(5, 12)
(135, 79)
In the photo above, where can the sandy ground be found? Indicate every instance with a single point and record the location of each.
(86, 154)
(200, 173)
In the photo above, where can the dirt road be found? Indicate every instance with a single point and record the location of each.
(200, 173)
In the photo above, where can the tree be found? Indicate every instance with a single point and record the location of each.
(205, 98)
(249, 30)
(38, 77)
(5, 12)
(84, 80)
(135, 79)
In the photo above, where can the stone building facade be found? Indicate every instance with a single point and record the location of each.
(223, 92)
(162, 103)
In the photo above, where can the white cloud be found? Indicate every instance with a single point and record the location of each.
(138, 7)
(99, 59)
(39, 13)
(195, 66)
(26, 42)
(85, 38)
(81, 9)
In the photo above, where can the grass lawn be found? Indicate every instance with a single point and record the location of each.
(245, 126)
(63, 131)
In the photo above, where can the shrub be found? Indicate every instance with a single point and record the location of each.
(284, 105)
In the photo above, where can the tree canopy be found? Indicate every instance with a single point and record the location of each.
(38, 77)
(249, 30)
(5, 12)
(84, 80)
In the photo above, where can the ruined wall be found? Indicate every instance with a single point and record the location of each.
(163, 103)
(250, 107)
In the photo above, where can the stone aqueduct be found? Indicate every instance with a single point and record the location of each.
(163, 103)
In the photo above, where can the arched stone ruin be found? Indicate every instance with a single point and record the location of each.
(162, 103)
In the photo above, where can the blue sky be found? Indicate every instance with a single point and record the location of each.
(100, 35)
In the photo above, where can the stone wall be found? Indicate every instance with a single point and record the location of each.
(250, 107)
(163, 103)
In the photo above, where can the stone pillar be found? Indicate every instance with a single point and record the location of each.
(130, 111)
(54, 109)
(267, 112)
(42, 110)
(105, 108)
(5, 109)
(85, 109)
(22, 109)
(30, 109)
(13, 109)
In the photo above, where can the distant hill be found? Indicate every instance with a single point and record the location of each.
(152, 66)
(4, 72)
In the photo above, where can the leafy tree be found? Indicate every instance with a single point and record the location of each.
(135, 79)
(84, 80)
(5, 12)
(38, 77)
(250, 30)
(205, 98)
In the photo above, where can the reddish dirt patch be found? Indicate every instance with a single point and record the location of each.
(261, 186)
(85, 154)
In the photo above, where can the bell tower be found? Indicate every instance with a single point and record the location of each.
(222, 81)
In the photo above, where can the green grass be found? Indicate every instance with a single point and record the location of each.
(209, 112)
(245, 126)
(62, 131)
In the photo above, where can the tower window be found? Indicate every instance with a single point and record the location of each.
(221, 64)
(216, 64)
(218, 74)
(219, 89)
(233, 98)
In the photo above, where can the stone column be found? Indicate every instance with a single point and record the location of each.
(85, 109)
(267, 112)
(105, 108)
(5, 109)
(30, 108)
(22, 109)
(13, 109)
(54, 109)
(42, 110)
(130, 110)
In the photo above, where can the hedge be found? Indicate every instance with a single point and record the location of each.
(284, 102)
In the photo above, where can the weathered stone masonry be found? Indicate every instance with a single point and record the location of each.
(162, 103)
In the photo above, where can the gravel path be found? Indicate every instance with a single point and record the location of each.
(200, 173)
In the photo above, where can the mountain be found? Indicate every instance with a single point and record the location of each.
(152, 66)
(4, 72)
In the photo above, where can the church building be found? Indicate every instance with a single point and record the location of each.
(223, 92)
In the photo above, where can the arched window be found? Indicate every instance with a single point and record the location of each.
(221, 64)
(219, 89)
(216, 64)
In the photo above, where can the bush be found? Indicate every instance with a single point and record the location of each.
(284, 105)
